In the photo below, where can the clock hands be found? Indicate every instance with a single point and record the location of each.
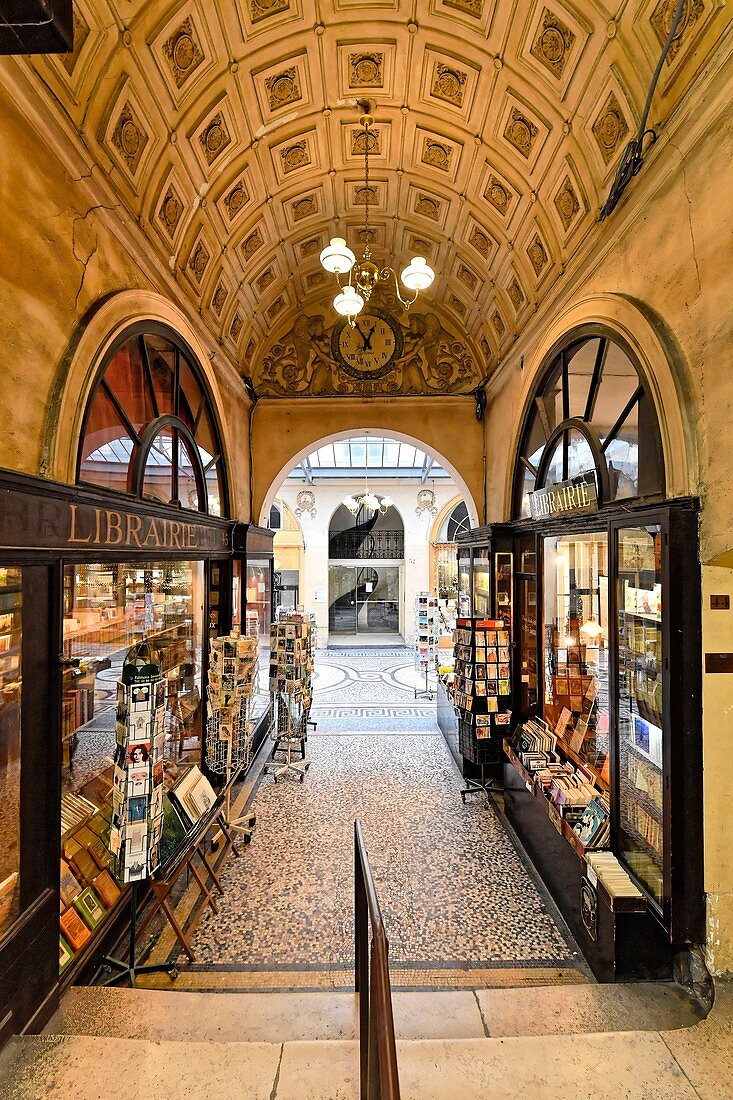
(366, 339)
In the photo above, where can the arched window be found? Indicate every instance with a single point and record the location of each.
(276, 519)
(150, 428)
(457, 522)
(591, 413)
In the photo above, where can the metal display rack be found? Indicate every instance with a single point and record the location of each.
(426, 639)
(292, 640)
(229, 735)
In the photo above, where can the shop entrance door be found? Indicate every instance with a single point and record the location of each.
(364, 599)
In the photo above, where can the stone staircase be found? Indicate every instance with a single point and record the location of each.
(606, 1042)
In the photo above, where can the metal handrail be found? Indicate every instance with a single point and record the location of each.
(377, 1048)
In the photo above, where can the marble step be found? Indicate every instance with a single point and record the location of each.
(287, 1017)
(694, 1063)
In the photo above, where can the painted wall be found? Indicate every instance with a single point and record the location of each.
(284, 431)
(329, 494)
(71, 277)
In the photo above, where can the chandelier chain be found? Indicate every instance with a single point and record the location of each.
(366, 182)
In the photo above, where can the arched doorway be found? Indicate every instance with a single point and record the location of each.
(365, 571)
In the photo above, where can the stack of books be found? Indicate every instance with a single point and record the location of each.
(613, 876)
(593, 830)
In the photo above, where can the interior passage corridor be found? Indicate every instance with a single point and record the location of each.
(459, 905)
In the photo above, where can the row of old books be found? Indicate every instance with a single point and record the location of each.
(569, 789)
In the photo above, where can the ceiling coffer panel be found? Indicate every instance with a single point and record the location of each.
(231, 133)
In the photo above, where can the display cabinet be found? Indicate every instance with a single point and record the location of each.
(252, 589)
(485, 572)
(616, 662)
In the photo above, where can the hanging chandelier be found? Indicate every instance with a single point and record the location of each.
(339, 260)
(367, 500)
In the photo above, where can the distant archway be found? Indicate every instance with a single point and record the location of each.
(276, 481)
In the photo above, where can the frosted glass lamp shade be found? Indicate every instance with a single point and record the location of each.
(387, 502)
(417, 275)
(337, 258)
(349, 302)
(352, 504)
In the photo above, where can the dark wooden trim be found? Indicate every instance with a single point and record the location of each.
(36, 515)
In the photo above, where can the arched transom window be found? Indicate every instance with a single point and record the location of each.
(150, 428)
(591, 413)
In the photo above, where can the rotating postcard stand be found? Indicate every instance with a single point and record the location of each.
(231, 688)
(481, 695)
(426, 639)
(137, 793)
(291, 665)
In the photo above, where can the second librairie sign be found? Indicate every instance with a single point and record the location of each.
(567, 498)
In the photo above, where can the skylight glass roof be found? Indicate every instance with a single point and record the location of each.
(349, 456)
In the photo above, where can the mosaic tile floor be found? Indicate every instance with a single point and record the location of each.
(456, 897)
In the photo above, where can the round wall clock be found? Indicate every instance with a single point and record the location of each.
(369, 349)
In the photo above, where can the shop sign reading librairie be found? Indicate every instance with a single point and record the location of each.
(50, 522)
(568, 498)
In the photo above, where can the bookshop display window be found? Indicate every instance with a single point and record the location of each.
(11, 627)
(258, 588)
(575, 645)
(526, 632)
(107, 608)
(640, 705)
(481, 581)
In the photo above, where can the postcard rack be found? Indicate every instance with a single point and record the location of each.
(291, 667)
(481, 696)
(229, 735)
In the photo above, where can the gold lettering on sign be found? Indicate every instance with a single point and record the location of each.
(114, 529)
(134, 523)
(105, 527)
(73, 536)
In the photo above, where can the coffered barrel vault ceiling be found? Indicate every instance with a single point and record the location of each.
(230, 131)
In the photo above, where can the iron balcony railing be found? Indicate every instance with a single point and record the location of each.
(360, 545)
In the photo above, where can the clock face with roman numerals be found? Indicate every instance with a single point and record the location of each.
(371, 347)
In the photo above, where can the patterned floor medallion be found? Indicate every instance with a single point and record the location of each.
(460, 906)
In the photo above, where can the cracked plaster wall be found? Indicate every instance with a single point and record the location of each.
(58, 257)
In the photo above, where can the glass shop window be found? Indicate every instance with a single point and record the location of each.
(11, 630)
(481, 582)
(527, 612)
(145, 378)
(258, 616)
(592, 380)
(575, 646)
(107, 608)
(641, 805)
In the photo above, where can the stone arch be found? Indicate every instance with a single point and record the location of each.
(444, 512)
(77, 373)
(663, 369)
(265, 493)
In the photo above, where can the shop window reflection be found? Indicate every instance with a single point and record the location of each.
(575, 646)
(640, 703)
(11, 627)
(107, 608)
(258, 616)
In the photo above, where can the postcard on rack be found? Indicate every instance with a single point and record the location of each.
(137, 809)
(138, 752)
(141, 697)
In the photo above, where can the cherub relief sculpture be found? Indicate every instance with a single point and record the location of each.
(432, 361)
